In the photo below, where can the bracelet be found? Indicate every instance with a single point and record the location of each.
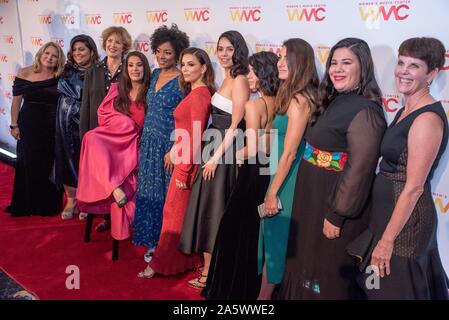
(13, 126)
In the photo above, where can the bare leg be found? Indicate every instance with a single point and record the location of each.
(70, 206)
(200, 282)
(266, 289)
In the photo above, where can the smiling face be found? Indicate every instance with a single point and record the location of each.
(165, 56)
(81, 54)
(344, 70)
(253, 81)
(411, 75)
(49, 58)
(283, 64)
(225, 50)
(114, 46)
(191, 69)
(135, 69)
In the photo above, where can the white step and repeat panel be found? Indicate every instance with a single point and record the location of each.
(265, 24)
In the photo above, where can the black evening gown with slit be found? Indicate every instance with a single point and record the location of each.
(34, 193)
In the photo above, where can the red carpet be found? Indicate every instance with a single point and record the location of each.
(36, 251)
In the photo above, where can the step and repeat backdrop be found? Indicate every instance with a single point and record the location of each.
(27, 24)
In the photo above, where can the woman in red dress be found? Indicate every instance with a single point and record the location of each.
(191, 117)
(110, 152)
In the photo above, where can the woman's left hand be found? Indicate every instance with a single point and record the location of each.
(330, 231)
(209, 170)
(181, 185)
(381, 257)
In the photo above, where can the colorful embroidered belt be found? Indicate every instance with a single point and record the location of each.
(323, 159)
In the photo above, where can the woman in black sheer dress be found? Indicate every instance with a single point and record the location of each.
(34, 128)
(400, 243)
(334, 178)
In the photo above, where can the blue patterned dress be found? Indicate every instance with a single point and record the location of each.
(153, 181)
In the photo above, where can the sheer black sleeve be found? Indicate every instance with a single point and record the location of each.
(351, 191)
(85, 104)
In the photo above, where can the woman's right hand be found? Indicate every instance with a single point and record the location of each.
(168, 164)
(15, 133)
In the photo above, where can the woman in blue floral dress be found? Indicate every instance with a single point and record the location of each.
(155, 166)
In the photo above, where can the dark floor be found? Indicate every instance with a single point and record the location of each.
(11, 290)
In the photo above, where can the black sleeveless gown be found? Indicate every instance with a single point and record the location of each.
(33, 192)
(416, 269)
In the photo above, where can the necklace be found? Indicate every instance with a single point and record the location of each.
(412, 108)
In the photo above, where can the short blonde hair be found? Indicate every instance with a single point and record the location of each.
(122, 33)
(37, 66)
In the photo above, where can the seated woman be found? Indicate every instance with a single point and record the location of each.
(110, 152)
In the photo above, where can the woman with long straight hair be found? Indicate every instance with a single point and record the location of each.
(110, 152)
(295, 104)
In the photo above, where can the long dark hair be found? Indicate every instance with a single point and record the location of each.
(203, 59)
(122, 102)
(264, 64)
(241, 52)
(367, 87)
(89, 43)
(302, 76)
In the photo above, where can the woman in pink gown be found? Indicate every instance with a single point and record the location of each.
(191, 116)
(110, 152)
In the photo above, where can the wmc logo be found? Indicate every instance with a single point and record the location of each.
(210, 47)
(245, 14)
(7, 94)
(157, 16)
(37, 41)
(59, 41)
(373, 11)
(441, 202)
(196, 14)
(445, 103)
(2, 111)
(268, 47)
(44, 19)
(390, 102)
(8, 39)
(123, 18)
(67, 19)
(93, 19)
(306, 12)
(3, 58)
(11, 77)
(1, 20)
(143, 45)
(322, 53)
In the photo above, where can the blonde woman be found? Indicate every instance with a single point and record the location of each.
(33, 126)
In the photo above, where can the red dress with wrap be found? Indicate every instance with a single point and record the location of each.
(191, 117)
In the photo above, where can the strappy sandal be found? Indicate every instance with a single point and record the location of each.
(147, 273)
(197, 283)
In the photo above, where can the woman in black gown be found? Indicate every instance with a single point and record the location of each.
(334, 178)
(233, 271)
(82, 55)
(34, 128)
(400, 243)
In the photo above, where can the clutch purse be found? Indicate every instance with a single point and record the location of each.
(261, 209)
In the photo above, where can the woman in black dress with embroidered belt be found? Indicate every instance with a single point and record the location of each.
(334, 178)
(400, 243)
(34, 128)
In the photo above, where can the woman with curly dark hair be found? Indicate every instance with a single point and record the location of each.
(110, 152)
(233, 269)
(155, 166)
(216, 178)
(82, 55)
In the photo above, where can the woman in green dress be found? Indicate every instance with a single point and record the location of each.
(294, 105)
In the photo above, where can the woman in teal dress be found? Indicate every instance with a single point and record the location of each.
(294, 105)
(155, 167)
